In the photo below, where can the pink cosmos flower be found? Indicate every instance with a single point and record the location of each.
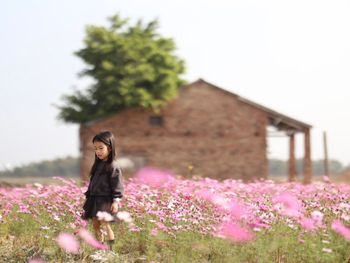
(317, 217)
(302, 241)
(161, 226)
(36, 261)
(338, 227)
(237, 210)
(205, 195)
(291, 204)
(263, 207)
(326, 179)
(234, 232)
(89, 239)
(154, 231)
(23, 209)
(133, 228)
(307, 224)
(68, 242)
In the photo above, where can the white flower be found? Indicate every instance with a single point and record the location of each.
(317, 215)
(125, 216)
(327, 250)
(102, 255)
(292, 226)
(105, 216)
(325, 241)
(219, 200)
(38, 185)
(343, 216)
(344, 205)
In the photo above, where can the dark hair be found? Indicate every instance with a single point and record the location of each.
(108, 139)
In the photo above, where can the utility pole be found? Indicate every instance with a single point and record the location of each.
(326, 169)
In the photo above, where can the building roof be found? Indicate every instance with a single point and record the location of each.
(279, 120)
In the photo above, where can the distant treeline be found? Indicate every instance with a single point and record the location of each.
(69, 166)
(279, 167)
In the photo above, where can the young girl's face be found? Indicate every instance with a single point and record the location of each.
(101, 150)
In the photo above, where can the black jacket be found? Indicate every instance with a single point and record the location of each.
(106, 184)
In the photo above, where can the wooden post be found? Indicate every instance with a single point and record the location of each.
(291, 163)
(307, 157)
(326, 170)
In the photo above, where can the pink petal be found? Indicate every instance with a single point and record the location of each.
(234, 232)
(307, 224)
(68, 242)
(291, 204)
(205, 195)
(154, 177)
(326, 179)
(237, 210)
(89, 239)
(154, 231)
(36, 261)
(338, 227)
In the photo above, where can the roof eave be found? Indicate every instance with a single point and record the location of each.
(278, 117)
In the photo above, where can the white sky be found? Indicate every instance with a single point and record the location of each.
(291, 56)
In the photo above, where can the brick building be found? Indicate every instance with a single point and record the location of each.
(205, 130)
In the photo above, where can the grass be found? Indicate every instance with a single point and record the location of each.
(22, 239)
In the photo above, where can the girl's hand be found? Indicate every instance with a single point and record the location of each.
(114, 207)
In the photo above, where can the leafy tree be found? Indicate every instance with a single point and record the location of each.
(131, 65)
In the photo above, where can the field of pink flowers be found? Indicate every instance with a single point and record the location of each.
(163, 218)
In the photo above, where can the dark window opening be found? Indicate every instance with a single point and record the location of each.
(156, 120)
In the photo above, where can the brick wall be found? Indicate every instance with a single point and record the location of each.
(205, 127)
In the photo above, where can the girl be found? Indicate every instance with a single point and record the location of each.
(105, 188)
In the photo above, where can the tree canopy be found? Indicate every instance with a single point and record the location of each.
(131, 65)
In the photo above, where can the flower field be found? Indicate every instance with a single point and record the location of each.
(163, 218)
